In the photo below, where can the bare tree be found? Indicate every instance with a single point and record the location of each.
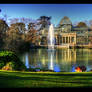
(32, 37)
(5, 17)
(14, 20)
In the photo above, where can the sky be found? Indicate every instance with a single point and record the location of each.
(76, 12)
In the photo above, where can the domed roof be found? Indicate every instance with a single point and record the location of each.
(65, 20)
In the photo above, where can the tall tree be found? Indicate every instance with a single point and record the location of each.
(24, 20)
(3, 26)
(19, 26)
(3, 29)
(14, 20)
(81, 24)
(44, 21)
(14, 37)
(33, 37)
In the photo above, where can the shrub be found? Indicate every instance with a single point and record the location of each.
(2, 64)
(8, 57)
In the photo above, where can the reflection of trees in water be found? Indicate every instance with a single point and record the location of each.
(65, 58)
(66, 55)
(38, 57)
(84, 57)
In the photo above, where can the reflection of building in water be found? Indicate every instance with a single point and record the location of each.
(89, 66)
(83, 57)
(65, 58)
(62, 59)
(69, 55)
(66, 55)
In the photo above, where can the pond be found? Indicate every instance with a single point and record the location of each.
(58, 60)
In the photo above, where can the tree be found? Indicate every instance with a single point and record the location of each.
(33, 37)
(19, 26)
(3, 26)
(31, 26)
(3, 29)
(5, 18)
(14, 20)
(81, 24)
(44, 21)
(26, 21)
(14, 37)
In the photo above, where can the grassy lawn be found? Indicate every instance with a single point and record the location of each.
(16, 79)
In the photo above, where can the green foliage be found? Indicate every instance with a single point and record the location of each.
(24, 46)
(1, 64)
(13, 79)
(12, 59)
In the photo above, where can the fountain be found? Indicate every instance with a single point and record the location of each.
(51, 40)
(51, 43)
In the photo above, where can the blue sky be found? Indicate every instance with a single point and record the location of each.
(76, 12)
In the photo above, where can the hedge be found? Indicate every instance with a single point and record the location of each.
(9, 56)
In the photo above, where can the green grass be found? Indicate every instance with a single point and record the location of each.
(16, 79)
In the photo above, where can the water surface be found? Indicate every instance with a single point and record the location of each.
(58, 60)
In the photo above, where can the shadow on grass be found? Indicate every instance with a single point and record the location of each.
(8, 80)
(21, 79)
(49, 74)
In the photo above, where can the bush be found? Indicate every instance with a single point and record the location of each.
(2, 64)
(8, 57)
